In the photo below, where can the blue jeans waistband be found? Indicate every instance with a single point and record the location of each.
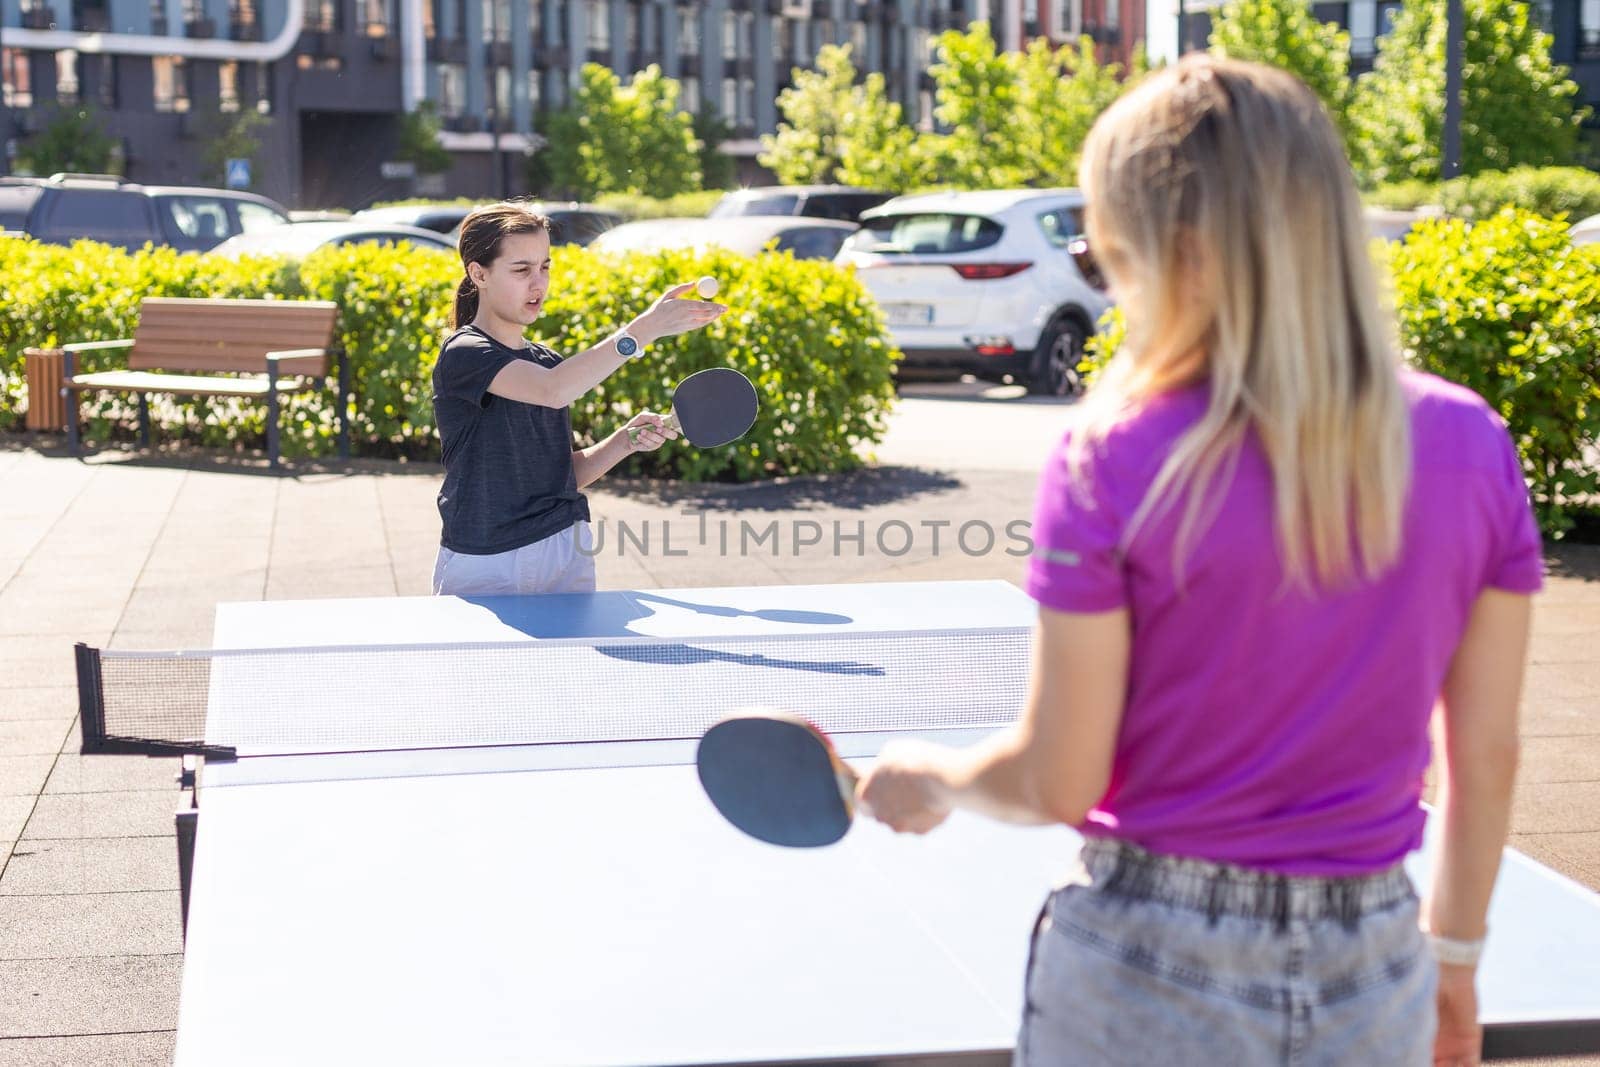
(1119, 868)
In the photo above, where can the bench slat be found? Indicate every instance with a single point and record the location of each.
(182, 334)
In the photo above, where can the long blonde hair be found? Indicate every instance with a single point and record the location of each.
(1223, 210)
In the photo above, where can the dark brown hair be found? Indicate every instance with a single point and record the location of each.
(482, 234)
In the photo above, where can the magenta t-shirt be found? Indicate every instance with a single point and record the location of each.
(1267, 727)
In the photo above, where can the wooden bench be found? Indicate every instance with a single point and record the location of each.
(243, 348)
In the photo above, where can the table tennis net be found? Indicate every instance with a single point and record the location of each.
(376, 698)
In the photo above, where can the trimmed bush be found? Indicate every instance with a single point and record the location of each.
(806, 333)
(1507, 307)
(1549, 191)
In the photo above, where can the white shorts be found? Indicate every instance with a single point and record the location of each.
(561, 563)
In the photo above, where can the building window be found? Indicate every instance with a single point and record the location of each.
(1589, 27)
(536, 21)
(747, 104)
(497, 20)
(858, 42)
(430, 20)
(90, 16)
(1069, 18)
(322, 16)
(14, 78)
(689, 31)
(730, 98)
(106, 84)
(535, 90)
(600, 25)
(67, 77)
(502, 91)
(376, 17)
(803, 54)
(689, 99)
(245, 21)
(630, 38)
(730, 36)
(171, 84)
(452, 96)
(263, 91)
(1363, 26)
(228, 86)
(1113, 14)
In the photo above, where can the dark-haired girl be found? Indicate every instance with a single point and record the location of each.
(515, 519)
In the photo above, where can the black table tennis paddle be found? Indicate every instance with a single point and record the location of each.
(777, 778)
(711, 407)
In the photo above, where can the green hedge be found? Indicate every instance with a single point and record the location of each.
(1550, 191)
(1507, 307)
(685, 205)
(806, 333)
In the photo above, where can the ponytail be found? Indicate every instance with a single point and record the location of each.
(466, 308)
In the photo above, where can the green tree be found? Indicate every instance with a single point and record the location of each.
(228, 135)
(71, 141)
(1062, 91)
(419, 140)
(1517, 105)
(877, 149)
(717, 169)
(806, 149)
(978, 98)
(618, 138)
(1285, 34)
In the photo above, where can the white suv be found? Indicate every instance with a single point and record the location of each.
(996, 283)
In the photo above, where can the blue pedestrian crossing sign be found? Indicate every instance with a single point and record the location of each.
(238, 174)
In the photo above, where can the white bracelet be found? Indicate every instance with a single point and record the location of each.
(1454, 952)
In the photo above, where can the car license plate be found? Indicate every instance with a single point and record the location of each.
(908, 314)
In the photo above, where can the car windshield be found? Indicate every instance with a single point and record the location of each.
(780, 204)
(925, 233)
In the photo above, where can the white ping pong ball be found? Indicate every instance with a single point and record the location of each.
(706, 287)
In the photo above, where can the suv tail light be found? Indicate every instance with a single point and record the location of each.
(982, 272)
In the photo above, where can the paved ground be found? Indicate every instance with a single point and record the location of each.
(129, 552)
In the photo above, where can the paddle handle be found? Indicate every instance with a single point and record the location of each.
(668, 423)
(848, 780)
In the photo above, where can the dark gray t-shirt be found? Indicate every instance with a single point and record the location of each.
(508, 477)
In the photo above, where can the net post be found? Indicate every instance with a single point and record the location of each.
(91, 699)
(186, 825)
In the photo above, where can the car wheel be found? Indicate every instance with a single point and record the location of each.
(1055, 361)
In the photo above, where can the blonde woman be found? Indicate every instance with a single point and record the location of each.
(1267, 555)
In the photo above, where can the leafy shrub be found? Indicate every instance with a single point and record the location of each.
(806, 333)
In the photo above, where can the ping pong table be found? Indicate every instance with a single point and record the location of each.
(554, 887)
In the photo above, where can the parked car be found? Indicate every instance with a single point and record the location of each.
(998, 284)
(1586, 232)
(304, 238)
(64, 208)
(803, 238)
(1394, 224)
(570, 223)
(843, 202)
(440, 218)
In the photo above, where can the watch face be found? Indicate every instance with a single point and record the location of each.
(626, 346)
